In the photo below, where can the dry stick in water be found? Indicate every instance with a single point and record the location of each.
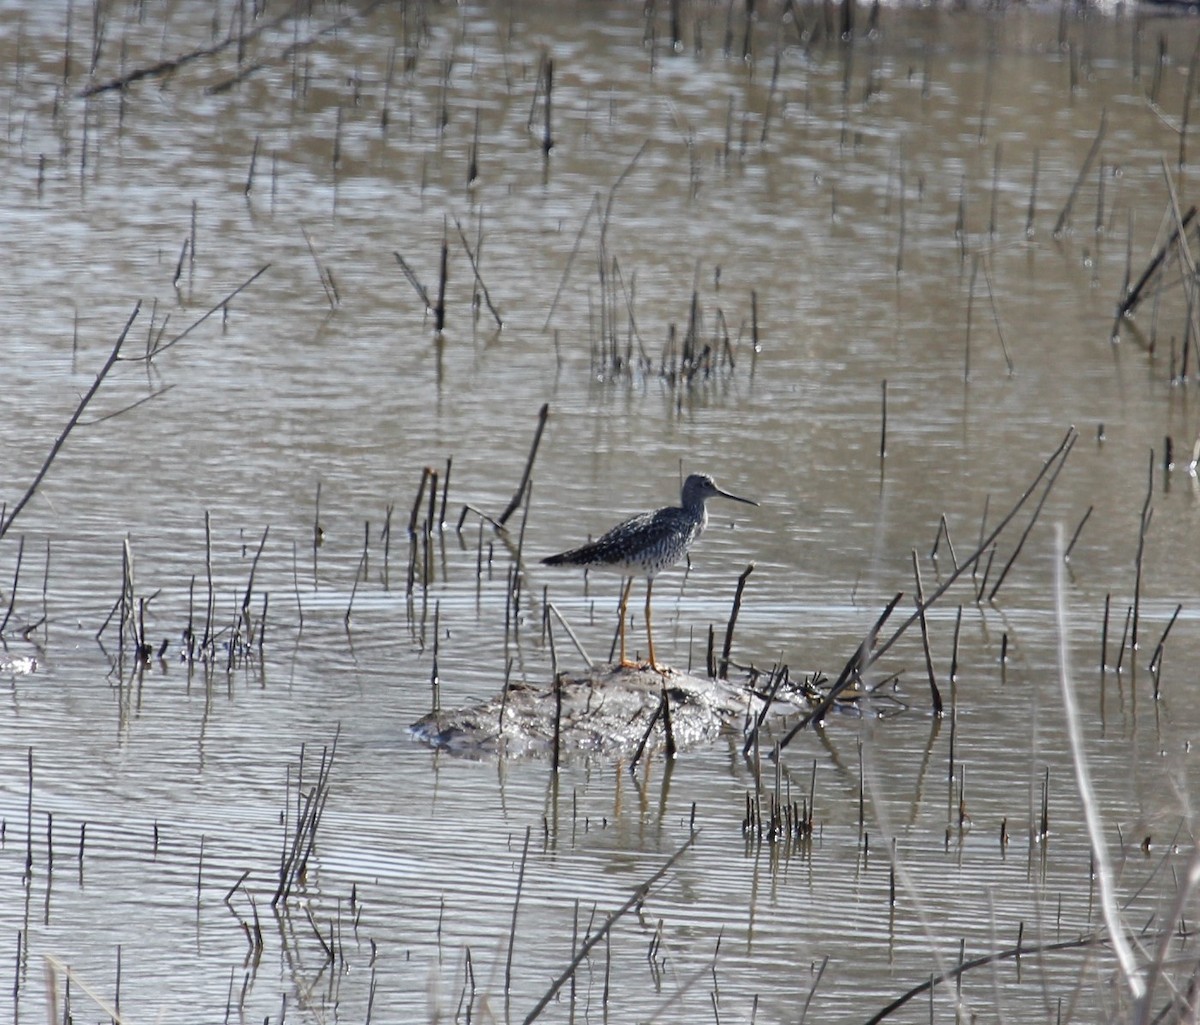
(7, 521)
(780, 677)
(1084, 171)
(1143, 526)
(883, 421)
(12, 596)
(733, 614)
(1156, 659)
(512, 931)
(864, 656)
(637, 754)
(433, 492)
(326, 278)
(298, 851)
(479, 280)
(1013, 953)
(639, 895)
(1075, 536)
(570, 260)
(439, 308)
(223, 304)
(289, 52)
(250, 583)
(547, 137)
(667, 730)
(1134, 295)
(970, 310)
(168, 66)
(1031, 210)
(1187, 105)
(445, 494)
(414, 516)
(934, 693)
(1102, 866)
(410, 274)
(550, 606)
(253, 161)
(543, 413)
(1033, 519)
(987, 277)
(861, 658)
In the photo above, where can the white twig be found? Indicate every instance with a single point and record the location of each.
(1091, 811)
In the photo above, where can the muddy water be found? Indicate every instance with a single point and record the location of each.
(890, 205)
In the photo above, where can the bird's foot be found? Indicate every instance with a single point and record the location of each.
(642, 666)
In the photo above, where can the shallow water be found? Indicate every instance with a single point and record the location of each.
(875, 198)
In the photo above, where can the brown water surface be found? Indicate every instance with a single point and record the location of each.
(916, 206)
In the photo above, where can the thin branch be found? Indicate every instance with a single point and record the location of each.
(62, 437)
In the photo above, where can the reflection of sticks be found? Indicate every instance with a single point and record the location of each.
(7, 521)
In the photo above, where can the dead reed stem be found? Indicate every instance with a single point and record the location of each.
(223, 304)
(1033, 519)
(1134, 295)
(512, 931)
(543, 414)
(934, 693)
(1103, 869)
(7, 521)
(733, 614)
(639, 895)
(478, 278)
(1075, 536)
(866, 654)
(172, 64)
(1143, 525)
(439, 307)
(294, 863)
(1065, 214)
(883, 420)
(410, 274)
(323, 273)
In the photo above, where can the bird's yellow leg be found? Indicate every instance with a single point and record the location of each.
(649, 630)
(621, 619)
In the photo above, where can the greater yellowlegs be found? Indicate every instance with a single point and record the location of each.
(647, 544)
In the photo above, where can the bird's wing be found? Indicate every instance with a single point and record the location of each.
(625, 542)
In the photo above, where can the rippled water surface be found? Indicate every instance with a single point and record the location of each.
(915, 237)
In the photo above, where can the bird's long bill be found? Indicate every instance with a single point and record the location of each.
(736, 498)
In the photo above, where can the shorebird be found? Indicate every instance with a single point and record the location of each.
(647, 544)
